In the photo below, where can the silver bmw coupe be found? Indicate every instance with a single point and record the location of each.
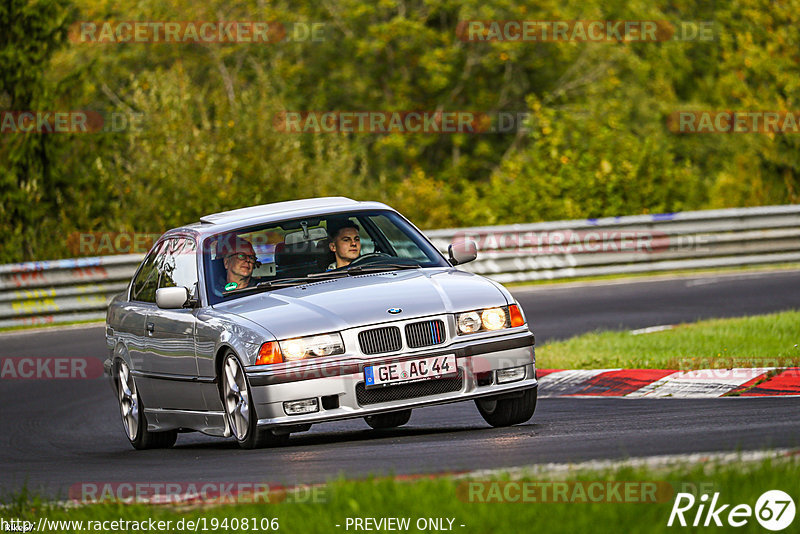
(259, 322)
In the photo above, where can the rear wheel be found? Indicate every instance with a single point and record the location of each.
(132, 411)
(506, 411)
(388, 420)
(239, 408)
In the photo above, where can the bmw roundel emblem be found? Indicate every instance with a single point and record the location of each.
(394, 311)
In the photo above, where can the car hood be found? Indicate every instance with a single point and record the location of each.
(343, 303)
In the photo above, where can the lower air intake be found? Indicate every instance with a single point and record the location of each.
(409, 391)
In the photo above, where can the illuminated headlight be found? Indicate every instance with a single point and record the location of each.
(482, 320)
(513, 374)
(312, 346)
(493, 318)
(299, 407)
(489, 319)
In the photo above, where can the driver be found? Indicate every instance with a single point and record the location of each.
(239, 261)
(345, 243)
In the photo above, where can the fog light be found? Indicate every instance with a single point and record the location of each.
(301, 406)
(513, 374)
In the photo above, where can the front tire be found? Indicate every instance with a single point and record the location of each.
(132, 411)
(388, 420)
(504, 411)
(240, 412)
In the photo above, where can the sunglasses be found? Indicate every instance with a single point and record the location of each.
(244, 257)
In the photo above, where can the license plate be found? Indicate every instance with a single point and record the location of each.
(387, 374)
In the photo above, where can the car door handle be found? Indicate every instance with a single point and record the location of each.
(150, 328)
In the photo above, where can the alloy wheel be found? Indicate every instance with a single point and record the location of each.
(128, 400)
(237, 401)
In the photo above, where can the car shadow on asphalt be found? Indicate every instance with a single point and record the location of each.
(355, 436)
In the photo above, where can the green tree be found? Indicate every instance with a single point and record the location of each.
(30, 180)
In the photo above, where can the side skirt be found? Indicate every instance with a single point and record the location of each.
(211, 423)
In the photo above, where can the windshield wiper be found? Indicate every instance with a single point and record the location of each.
(317, 277)
(327, 274)
(309, 279)
(273, 284)
(360, 269)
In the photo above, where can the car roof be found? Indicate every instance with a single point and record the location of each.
(265, 213)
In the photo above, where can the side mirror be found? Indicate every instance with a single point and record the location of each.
(462, 252)
(171, 298)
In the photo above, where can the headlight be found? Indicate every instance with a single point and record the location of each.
(489, 319)
(312, 346)
(469, 322)
(493, 318)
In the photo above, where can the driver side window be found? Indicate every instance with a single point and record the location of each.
(178, 266)
(145, 284)
(403, 245)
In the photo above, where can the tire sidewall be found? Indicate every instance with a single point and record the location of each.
(509, 411)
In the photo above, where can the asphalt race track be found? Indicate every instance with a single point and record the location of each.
(561, 312)
(56, 433)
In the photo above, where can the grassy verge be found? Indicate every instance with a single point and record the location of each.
(763, 340)
(48, 326)
(576, 509)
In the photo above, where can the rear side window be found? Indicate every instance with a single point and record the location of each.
(146, 282)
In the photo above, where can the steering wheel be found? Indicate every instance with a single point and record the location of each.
(367, 258)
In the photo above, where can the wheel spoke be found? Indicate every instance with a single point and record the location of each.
(231, 372)
(122, 386)
(241, 422)
(244, 410)
(235, 398)
(128, 401)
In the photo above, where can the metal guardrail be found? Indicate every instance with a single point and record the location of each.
(78, 289)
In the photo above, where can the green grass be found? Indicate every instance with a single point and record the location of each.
(737, 482)
(763, 340)
(50, 325)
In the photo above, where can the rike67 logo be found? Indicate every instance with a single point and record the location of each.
(774, 510)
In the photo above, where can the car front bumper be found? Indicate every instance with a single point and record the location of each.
(339, 389)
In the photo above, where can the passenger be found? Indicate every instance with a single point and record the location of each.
(240, 261)
(345, 243)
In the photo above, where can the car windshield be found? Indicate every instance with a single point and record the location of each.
(297, 251)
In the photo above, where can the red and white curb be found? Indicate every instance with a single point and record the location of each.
(654, 383)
